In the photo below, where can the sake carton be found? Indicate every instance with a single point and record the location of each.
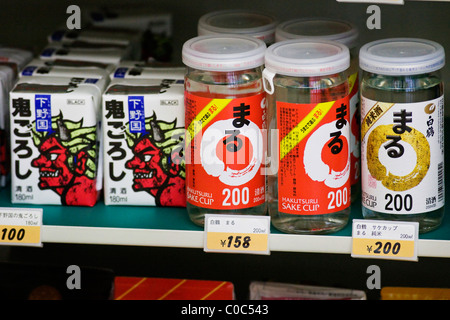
(39, 68)
(139, 17)
(16, 58)
(100, 38)
(56, 141)
(143, 70)
(143, 130)
(128, 51)
(62, 63)
(7, 78)
(107, 56)
(93, 34)
(155, 25)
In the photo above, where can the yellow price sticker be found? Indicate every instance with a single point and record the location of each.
(237, 234)
(237, 241)
(384, 239)
(20, 234)
(20, 226)
(384, 248)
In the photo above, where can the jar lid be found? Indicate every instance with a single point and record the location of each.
(307, 57)
(223, 52)
(401, 56)
(256, 24)
(318, 28)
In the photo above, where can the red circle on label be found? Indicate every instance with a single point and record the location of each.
(235, 151)
(336, 161)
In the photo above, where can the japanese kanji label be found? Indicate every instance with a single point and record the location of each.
(143, 122)
(402, 163)
(237, 234)
(225, 151)
(55, 141)
(136, 113)
(314, 171)
(20, 226)
(43, 113)
(384, 239)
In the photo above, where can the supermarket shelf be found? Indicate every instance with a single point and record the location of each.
(171, 227)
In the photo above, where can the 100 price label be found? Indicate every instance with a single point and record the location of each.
(20, 234)
(12, 234)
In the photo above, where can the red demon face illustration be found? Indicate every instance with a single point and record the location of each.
(145, 164)
(68, 166)
(157, 163)
(52, 164)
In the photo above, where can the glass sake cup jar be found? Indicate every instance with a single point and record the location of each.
(225, 126)
(308, 140)
(345, 32)
(402, 131)
(252, 23)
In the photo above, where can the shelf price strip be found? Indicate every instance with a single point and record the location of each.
(21, 226)
(237, 234)
(385, 239)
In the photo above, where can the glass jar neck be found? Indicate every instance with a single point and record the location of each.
(401, 88)
(311, 89)
(228, 84)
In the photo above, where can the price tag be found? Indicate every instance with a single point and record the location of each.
(237, 234)
(385, 239)
(20, 226)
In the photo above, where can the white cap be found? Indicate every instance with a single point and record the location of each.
(252, 23)
(401, 56)
(318, 28)
(223, 52)
(307, 57)
(304, 58)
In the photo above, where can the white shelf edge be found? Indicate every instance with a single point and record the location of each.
(194, 239)
(122, 236)
(310, 243)
(433, 248)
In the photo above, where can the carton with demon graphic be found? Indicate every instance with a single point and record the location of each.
(55, 140)
(144, 142)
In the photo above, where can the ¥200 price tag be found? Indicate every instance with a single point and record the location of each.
(237, 234)
(385, 239)
(20, 226)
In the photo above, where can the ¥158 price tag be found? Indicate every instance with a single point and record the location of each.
(394, 240)
(20, 226)
(237, 234)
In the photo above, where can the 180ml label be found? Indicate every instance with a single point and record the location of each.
(225, 152)
(402, 156)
